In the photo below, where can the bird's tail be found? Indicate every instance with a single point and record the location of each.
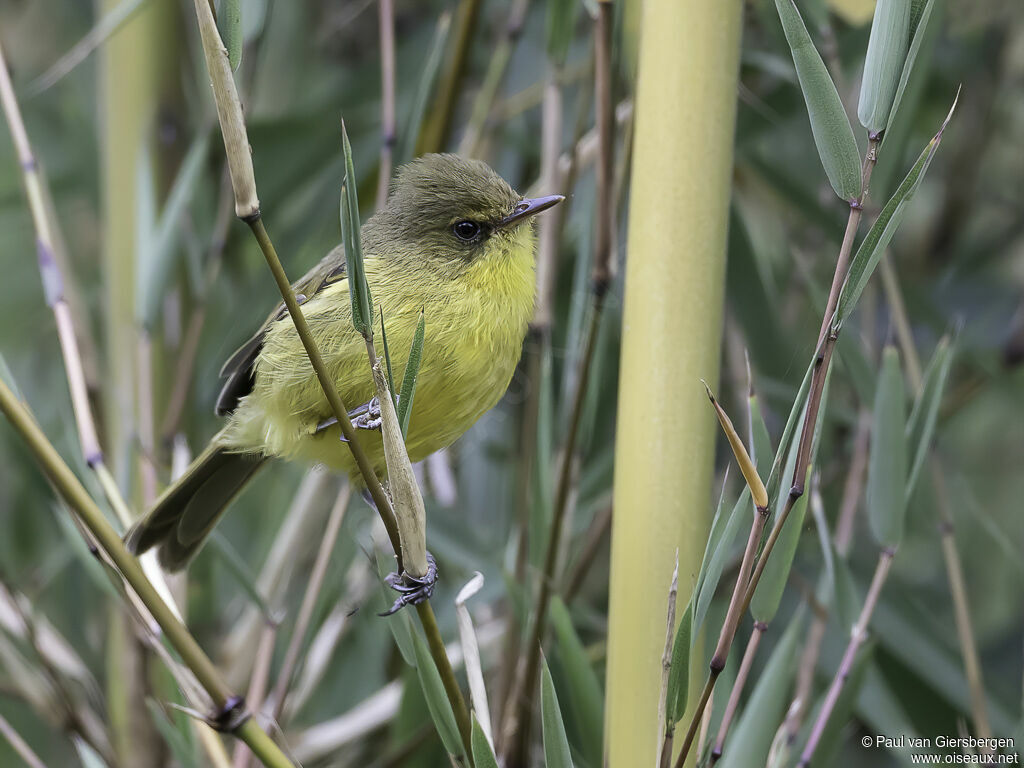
(188, 510)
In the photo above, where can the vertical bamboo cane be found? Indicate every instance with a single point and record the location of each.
(682, 164)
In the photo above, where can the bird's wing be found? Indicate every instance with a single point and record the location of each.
(238, 370)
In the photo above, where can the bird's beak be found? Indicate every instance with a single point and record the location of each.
(528, 207)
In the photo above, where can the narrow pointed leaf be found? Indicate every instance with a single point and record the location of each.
(412, 370)
(399, 624)
(921, 426)
(437, 700)
(760, 443)
(794, 418)
(765, 602)
(362, 303)
(871, 248)
(712, 574)
(750, 741)
(387, 362)
(887, 463)
(883, 62)
(229, 22)
(678, 687)
(833, 134)
(585, 697)
(483, 754)
(746, 465)
(556, 744)
(920, 22)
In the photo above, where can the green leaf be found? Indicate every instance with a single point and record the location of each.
(556, 744)
(180, 746)
(362, 303)
(920, 20)
(428, 78)
(229, 23)
(159, 262)
(833, 134)
(678, 688)
(437, 700)
(887, 463)
(765, 602)
(412, 370)
(387, 361)
(878, 237)
(795, 417)
(883, 63)
(921, 426)
(760, 443)
(561, 20)
(752, 737)
(585, 696)
(483, 754)
(711, 570)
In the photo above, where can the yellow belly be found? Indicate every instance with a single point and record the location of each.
(474, 328)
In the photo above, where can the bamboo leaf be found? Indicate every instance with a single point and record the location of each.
(757, 489)
(585, 696)
(362, 303)
(752, 738)
(887, 463)
(412, 370)
(883, 62)
(871, 248)
(556, 744)
(795, 414)
(921, 425)
(920, 21)
(387, 362)
(760, 443)
(765, 602)
(833, 134)
(229, 22)
(159, 262)
(437, 701)
(428, 77)
(180, 746)
(712, 569)
(483, 754)
(678, 688)
(399, 624)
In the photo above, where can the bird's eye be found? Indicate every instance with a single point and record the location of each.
(466, 230)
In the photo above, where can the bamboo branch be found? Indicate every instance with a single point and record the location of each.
(388, 135)
(19, 745)
(230, 708)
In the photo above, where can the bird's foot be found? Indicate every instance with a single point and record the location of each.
(365, 416)
(412, 590)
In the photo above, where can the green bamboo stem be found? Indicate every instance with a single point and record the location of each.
(76, 497)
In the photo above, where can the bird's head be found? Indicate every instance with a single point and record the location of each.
(447, 207)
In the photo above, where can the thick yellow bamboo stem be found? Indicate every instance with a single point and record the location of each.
(682, 165)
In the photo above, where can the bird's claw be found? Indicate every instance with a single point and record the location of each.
(365, 416)
(411, 590)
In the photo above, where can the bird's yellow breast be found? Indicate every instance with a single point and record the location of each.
(475, 320)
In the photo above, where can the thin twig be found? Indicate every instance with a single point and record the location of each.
(316, 581)
(599, 528)
(734, 696)
(19, 745)
(258, 686)
(846, 666)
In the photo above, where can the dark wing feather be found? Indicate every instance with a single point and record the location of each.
(239, 370)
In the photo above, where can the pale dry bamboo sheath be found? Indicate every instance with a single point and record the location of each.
(665, 757)
(846, 666)
(388, 136)
(950, 554)
(247, 208)
(822, 360)
(230, 713)
(19, 745)
(601, 275)
(737, 689)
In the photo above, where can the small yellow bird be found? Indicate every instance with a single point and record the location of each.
(453, 240)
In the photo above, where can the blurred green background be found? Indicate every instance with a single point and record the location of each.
(959, 258)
